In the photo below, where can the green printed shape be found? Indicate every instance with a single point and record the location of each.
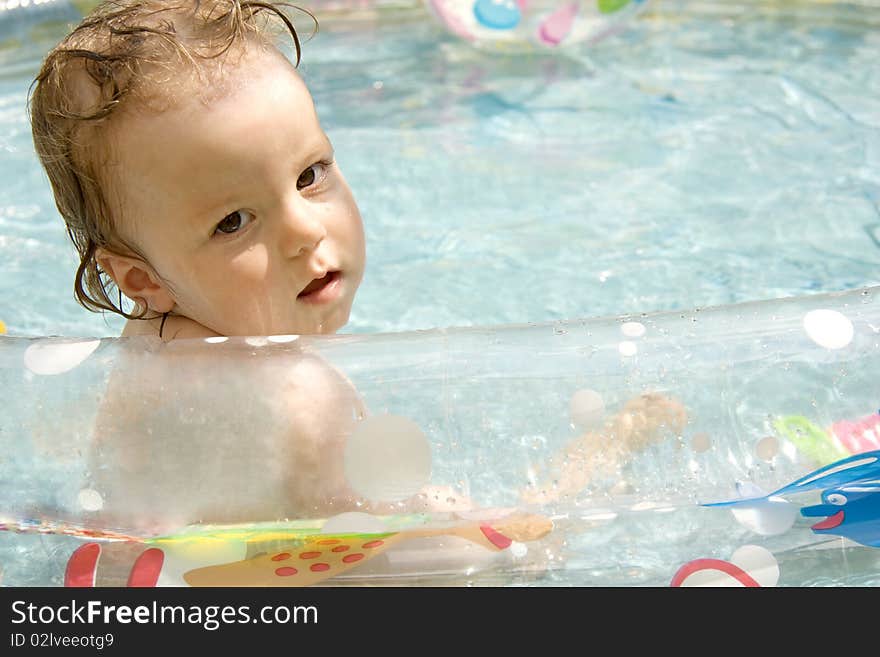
(813, 442)
(610, 6)
(287, 530)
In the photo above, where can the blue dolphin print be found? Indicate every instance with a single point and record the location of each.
(852, 469)
(851, 511)
(850, 499)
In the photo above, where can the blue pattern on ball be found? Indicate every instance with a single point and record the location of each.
(497, 14)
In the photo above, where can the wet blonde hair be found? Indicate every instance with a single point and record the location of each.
(122, 55)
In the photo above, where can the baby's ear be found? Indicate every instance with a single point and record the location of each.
(136, 279)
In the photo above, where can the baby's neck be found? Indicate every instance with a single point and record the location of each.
(175, 327)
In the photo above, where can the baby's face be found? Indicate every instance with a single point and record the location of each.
(239, 207)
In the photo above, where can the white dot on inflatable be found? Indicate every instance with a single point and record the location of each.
(216, 339)
(256, 341)
(632, 329)
(828, 328)
(701, 442)
(354, 522)
(759, 563)
(767, 448)
(90, 500)
(587, 409)
(518, 550)
(282, 338)
(627, 348)
(767, 518)
(387, 457)
(57, 357)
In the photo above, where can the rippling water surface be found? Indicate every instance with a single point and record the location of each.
(711, 154)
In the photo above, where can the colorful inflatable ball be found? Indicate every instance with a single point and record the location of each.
(523, 25)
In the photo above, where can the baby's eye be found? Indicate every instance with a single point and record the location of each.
(234, 222)
(312, 175)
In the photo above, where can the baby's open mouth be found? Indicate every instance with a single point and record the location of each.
(318, 284)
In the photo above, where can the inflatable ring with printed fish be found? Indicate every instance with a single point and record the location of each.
(302, 556)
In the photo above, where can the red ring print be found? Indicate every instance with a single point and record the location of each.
(351, 558)
(340, 548)
(725, 567)
(309, 555)
(319, 567)
(285, 571)
(372, 544)
(283, 556)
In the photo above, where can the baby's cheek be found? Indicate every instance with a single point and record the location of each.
(250, 266)
(343, 218)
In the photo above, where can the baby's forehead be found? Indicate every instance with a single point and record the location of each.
(188, 90)
(207, 82)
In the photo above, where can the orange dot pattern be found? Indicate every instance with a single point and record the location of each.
(320, 566)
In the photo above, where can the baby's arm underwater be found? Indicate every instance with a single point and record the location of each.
(601, 453)
(595, 455)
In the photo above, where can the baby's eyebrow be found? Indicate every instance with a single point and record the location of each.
(317, 151)
(206, 214)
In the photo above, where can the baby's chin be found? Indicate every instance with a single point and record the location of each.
(329, 324)
(306, 323)
(319, 326)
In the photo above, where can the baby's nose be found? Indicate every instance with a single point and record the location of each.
(302, 229)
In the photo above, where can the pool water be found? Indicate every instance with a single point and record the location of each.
(710, 154)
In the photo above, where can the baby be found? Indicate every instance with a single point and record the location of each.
(188, 162)
(191, 169)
